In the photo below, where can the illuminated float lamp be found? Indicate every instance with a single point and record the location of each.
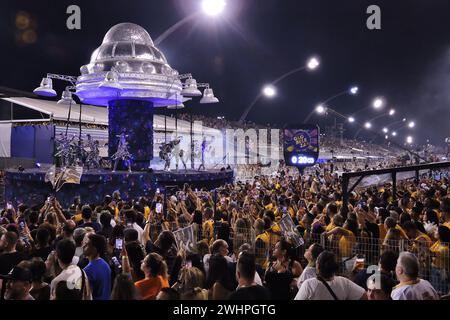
(190, 88)
(208, 96)
(66, 97)
(46, 88)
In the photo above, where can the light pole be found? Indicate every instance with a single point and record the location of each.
(377, 104)
(389, 113)
(352, 91)
(410, 125)
(209, 7)
(323, 110)
(311, 64)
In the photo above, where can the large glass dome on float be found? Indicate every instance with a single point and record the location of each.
(132, 66)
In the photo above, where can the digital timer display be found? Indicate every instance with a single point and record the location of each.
(302, 160)
(301, 145)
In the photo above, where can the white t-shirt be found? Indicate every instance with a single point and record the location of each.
(421, 290)
(308, 273)
(206, 258)
(139, 230)
(343, 288)
(71, 274)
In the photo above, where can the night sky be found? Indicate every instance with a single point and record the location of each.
(407, 62)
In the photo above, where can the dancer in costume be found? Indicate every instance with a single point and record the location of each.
(122, 153)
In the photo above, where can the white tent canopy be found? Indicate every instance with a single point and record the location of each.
(89, 114)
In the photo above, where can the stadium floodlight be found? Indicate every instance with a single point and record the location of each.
(409, 139)
(213, 7)
(378, 103)
(385, 130)
(367, 125)
(404, 119)
(386, 137)
(354, 90)
(411, 124)
(351, 119)
(391, 112)
(313, 63)
(269, 91)
(394, 133)
(320, 109)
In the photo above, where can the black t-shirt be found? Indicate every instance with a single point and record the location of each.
(42, 253)
(250, 293)
(10, 260)
(41, 294)
(420, 226)
(279, 284)
(373, 229)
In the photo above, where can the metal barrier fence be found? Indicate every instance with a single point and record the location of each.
(434, 258)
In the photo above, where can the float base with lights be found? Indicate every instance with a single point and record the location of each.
(131, 77)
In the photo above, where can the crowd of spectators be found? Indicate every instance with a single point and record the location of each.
(126, 249)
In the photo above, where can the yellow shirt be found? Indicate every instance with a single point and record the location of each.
(291, 212)
(275, 228)
(441, 254)
(263, 237)
(274, 236)
(208, 229)
(423, 238)
(330, 227)
(346, 243)
(446, 224)
(402, 232)
(261, 252)
(77, 217)
(382, 230)
(146, 212)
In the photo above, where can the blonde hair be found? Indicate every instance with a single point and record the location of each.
(193, 278)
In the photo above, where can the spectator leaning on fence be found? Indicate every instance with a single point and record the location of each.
(440, 262)
(310, 271)
(326, 285)
(411, 287)
(379, 287)
(386, 266)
